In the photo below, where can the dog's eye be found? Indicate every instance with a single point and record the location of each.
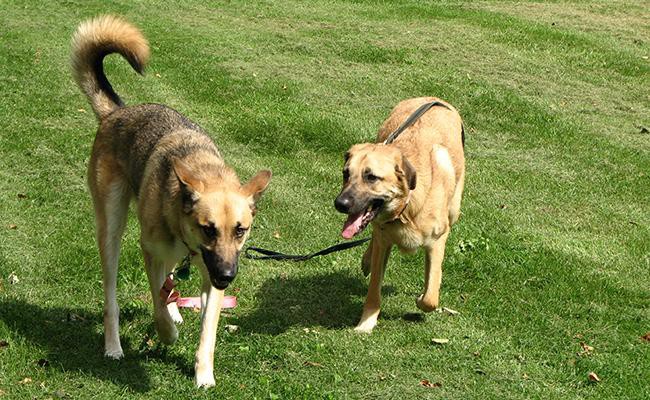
(209, 231)
(240, 231)
(346, 175)
(372, 178)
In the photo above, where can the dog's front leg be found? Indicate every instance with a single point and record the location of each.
(429, 299)
(211, 301)
(379, 258)
(157, 273)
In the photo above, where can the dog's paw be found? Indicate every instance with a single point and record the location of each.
(426, 305)
(174, 313)
(167, 331)
(114, 354)
(363, 330)
(204, 380)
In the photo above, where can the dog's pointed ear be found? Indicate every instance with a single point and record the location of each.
(409, 173)
(256, 186)
(190, 187)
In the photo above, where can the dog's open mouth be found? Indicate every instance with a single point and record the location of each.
(358, 222)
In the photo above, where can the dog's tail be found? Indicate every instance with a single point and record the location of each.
(94, 40)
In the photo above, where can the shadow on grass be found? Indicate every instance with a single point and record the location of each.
(328, 299)
(73, 342)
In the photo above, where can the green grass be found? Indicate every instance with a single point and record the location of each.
(553, 248)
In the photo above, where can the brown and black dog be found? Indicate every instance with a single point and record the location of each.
(188, 201)
(411, 192)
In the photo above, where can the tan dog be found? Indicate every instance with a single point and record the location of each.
(410, 190)
(188, 200)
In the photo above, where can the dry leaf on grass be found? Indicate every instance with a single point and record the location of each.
(586, 349)
(646, 337)
(13, 278)
(12, 226)
(425, 383)
(25, 381)
(312, 364)
(448, 311)
(593, 377)
(439, 341)
(276, 235)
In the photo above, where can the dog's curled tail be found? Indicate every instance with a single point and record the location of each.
(94, 40)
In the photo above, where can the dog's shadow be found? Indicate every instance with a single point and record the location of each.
(333, 300)
(73, 341)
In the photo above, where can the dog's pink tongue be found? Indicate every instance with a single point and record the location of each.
(352, 225)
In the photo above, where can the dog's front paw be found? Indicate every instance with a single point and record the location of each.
(426, 304)
(204, 379)
(174, 313)
(166, 331)
(114, 354)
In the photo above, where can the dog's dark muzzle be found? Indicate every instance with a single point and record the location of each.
(221, 272)
(344, 202)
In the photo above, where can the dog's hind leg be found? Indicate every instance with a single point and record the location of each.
(379, 258)
(111, 197)
(211, 301)
(157, 271)
(429, 300)
(454, 204)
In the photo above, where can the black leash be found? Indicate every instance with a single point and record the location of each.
(273, 255)
(412, 118)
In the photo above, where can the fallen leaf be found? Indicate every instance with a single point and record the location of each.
(73, 317)
(232, 328)
(449, 311)
(586, 349)
(312, 364)
(525, 376)
(157, 75)
(81, 110)
(276, 235)
(439, 341)
(42, 362)
(12, 226)
(425, 383)
(26, 380)
(13, 278)
(593, 377)
(476, 354)
(646, 337)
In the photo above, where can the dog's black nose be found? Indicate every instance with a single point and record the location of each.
(343, 204)
(224, 277)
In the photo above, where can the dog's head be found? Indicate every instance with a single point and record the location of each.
(216, 217)
(376, 183)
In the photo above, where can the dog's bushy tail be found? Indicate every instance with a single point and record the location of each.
(94, 40)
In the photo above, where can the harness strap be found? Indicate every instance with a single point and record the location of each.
(412, 119)
(274, 255)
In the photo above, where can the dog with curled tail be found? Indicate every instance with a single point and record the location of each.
(189, 202)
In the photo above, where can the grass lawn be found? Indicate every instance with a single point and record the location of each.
(552, 249)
